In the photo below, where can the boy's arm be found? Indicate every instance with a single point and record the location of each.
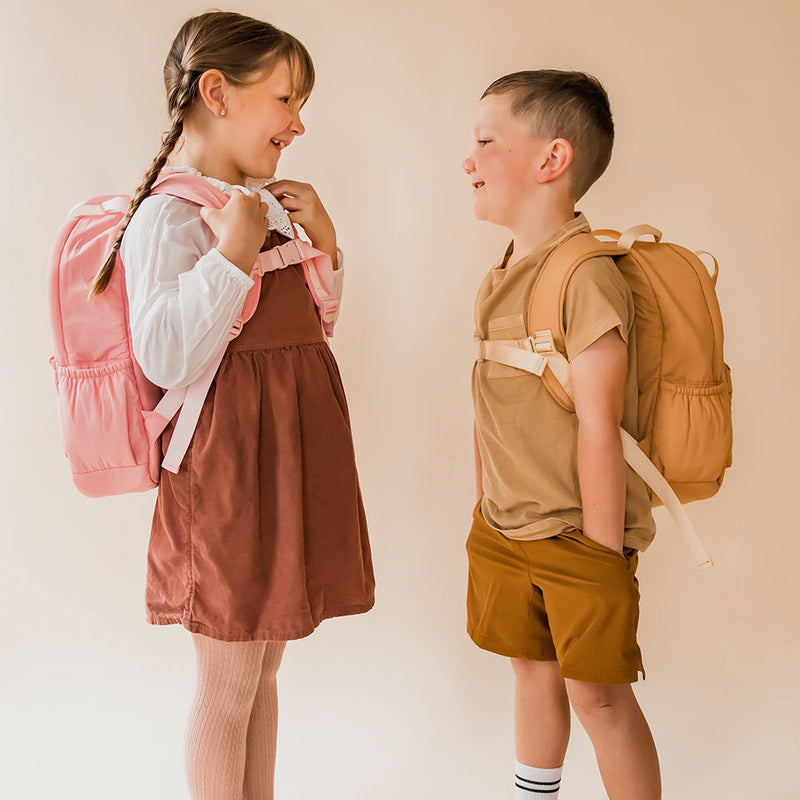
(478, 465)
(598, 378)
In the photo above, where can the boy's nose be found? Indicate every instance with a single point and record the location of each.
(297, 127)
(469, 165)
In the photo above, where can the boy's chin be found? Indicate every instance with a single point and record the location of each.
(483, 215)
(480, 213)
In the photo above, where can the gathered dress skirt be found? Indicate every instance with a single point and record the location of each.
(262, 534)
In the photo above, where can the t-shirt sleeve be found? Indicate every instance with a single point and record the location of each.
(597, 300)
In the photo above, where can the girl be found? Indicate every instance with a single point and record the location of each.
(261, 534)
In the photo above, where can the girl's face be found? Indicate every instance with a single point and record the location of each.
(262, 119)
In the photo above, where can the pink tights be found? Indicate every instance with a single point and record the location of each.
(233, 726)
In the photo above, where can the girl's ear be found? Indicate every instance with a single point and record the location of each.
(556, 157)
(211, 86)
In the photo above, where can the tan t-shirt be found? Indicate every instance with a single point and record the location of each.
(528, 443)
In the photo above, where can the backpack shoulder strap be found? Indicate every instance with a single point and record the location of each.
(190, 187)
(546, 305)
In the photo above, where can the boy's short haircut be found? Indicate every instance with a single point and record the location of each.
(564, 105)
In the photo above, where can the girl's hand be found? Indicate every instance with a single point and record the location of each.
(240, 227)
(306, 209)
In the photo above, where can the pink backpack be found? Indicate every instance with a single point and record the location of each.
(111, 416)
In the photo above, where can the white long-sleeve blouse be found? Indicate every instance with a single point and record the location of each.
(183, 294)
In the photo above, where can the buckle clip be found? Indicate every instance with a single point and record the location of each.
(543, 344)
(236, 329)
(289, 253)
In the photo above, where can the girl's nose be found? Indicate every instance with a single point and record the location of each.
(297, 126)
(469, 165)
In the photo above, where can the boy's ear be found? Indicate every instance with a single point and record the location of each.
(211, 88)
(556, 158)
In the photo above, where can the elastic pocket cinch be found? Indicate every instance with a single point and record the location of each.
(692, 429)
(97, 409)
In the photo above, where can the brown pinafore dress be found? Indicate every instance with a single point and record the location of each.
(261, 534)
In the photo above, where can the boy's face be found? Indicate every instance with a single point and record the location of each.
(502, 166)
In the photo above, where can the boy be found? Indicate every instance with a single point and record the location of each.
(560, 518)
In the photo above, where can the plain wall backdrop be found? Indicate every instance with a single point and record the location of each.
(398, 703)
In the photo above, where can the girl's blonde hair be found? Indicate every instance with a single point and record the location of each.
(242, 49)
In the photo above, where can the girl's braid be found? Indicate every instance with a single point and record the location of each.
(179, 101)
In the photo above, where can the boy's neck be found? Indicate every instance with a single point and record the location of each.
(535, 229)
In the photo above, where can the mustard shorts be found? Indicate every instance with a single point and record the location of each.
(566, 598)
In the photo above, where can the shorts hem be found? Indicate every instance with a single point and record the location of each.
(588, 675)
(285, 635)
(491, 645)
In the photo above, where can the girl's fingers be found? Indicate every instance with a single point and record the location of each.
(292, 203)
(207, 215)
(290, 187)
(285, 195)
(297, 219)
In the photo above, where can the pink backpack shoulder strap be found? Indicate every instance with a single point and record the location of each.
(317, 265)
(189, 186)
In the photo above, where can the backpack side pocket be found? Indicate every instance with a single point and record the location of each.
(102, 427)
(692, 436)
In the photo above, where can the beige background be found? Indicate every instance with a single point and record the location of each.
(398, 703)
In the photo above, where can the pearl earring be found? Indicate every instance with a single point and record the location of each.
(222, 112)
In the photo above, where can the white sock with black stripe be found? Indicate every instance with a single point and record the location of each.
(536, 784)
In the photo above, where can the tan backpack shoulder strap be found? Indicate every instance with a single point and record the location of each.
(546, 306)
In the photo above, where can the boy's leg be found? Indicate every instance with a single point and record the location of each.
(592, 600)
(541, 713)
(541, 727)
(623, 744)
(506, 615)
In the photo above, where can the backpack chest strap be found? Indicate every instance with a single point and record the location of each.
(536, 354)
(318, 272)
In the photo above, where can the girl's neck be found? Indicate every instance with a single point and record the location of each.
(210, 161)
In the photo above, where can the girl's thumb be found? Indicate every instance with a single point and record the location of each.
(210, 217)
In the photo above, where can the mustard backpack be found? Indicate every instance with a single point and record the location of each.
(684, 383)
